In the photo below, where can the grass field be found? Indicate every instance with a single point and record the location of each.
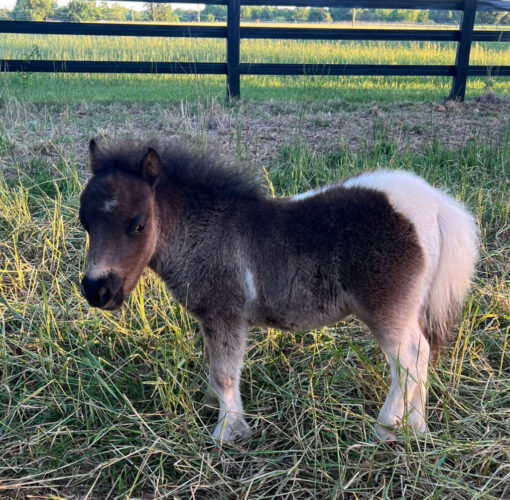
(108, 405)
(172, 88)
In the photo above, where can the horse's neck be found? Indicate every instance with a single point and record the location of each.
(183, 222)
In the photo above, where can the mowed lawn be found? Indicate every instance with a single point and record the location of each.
(109, 405)
(172, 88)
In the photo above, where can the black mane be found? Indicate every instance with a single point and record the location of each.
(201, 172)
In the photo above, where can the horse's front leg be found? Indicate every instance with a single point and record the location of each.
(225, 344)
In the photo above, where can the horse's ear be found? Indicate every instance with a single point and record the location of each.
(150, 166)
(93, 156)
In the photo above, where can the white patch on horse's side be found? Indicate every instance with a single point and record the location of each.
(252, 292)
(311, 192)
(419, 202)
(443, 227)
(109, 204)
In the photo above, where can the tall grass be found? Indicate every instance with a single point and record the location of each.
(96, 404)
(103, 48)
(20, 46)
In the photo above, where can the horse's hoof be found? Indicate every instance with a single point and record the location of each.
(417, 422)
(230, 429)
(386, 434)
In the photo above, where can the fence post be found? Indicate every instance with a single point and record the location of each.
(463, 49)
(233, 43)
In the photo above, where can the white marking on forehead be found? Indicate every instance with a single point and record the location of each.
(252, 292)
(109, 204)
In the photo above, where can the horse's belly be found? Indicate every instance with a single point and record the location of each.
(301, 316)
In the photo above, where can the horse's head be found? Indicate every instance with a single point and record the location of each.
(118, 211)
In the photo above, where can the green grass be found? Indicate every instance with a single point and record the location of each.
(109, 404)
(172, 88)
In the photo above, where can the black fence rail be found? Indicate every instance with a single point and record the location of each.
(233, 32)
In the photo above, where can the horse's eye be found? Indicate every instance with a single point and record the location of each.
(137, 225)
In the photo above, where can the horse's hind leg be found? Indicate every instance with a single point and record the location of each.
(407, 352)
(225, 344)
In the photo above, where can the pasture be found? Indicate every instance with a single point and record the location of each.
(172, 88)
(109, 405)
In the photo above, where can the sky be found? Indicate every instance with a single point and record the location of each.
(9, 4)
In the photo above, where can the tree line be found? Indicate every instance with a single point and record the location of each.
(90, 10)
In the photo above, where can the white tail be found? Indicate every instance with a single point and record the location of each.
(458, 251)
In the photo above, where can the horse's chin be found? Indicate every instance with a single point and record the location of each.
(116, 302)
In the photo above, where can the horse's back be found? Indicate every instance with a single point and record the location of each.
(317, 255)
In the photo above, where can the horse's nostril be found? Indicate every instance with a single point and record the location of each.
(100, 291)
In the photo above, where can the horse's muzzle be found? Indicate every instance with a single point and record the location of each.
(105, 292)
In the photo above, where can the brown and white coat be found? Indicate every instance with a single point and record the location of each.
(385, 246)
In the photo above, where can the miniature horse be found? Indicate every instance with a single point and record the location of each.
(385, 246)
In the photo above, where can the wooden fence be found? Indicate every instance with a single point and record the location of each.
(233, 32)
